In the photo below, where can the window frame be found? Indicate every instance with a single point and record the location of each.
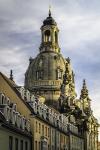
(10, 143)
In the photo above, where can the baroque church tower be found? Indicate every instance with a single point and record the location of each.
(49, 73)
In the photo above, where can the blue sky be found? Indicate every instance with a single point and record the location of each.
(79, 38)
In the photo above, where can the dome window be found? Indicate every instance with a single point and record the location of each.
(59, 74)
(39, 75)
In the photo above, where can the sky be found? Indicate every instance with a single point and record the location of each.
(79, 38)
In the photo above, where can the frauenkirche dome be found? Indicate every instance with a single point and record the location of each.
(44, 75)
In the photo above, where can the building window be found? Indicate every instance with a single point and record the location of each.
(48, 147)
(26, 146)
(42, 129)
(48, 132)
(21, 145)
(64, 140)
(61, 138)
(16, 144)
(10, 143)
(2, 99)
(45, 131)
(39, 146)
(35, 145)
(36, 126)
(39, 128)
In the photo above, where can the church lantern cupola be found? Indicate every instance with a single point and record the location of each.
(49, 31)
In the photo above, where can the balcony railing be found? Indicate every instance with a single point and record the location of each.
(47, 83)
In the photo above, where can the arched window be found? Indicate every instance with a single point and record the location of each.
(47, 35)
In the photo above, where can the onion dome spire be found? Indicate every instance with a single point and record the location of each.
(84, 91)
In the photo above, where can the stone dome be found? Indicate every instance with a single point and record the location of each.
(44, 75)
(45, 67)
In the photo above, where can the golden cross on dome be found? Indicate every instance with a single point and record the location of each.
(49, 10)
(49, 1)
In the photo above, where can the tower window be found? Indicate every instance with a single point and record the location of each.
(47, 37)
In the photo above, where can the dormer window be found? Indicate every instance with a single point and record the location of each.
(27, 94)
(23, 123)
(2, 99)
(22, 92)
(7, 113)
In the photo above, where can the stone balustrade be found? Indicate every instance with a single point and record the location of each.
(46, 83)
